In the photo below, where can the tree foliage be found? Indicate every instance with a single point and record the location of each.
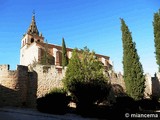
(133, 71)
(156, 26)
(64, 54)
(84, 77)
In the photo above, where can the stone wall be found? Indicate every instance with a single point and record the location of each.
(116, 78)
(13, 85)
(21, 87)
(153, 85)
(49, 77)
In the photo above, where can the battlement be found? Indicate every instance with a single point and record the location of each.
(22, 86)
(49, 76)
(4, 68)
(13, 85)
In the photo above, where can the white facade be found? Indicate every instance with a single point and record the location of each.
(29, 54)
(54, 53)
(69, 54)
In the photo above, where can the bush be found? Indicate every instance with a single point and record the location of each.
(56, 102)
(90, 92)
(126, 104)
(85, 80)
(149, 104)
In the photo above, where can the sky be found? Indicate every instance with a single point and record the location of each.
(92, 23)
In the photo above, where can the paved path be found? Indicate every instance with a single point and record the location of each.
(8, 113)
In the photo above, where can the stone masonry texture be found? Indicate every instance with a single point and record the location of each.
(21, 87)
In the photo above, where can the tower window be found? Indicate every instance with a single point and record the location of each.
(32, 40)
(38, 40)
(23, 43)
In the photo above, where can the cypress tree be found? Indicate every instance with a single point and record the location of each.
(47, 58)
(44, 59)
(133, 71)
(73, 72)
(156, 25)
(64, 54)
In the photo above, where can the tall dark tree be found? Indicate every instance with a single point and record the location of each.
(156, 25)
(46, 59)
(64, 54)
(133, 71)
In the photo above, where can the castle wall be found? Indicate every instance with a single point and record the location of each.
(21, 88)
(31, 95)
(117, 79)
(49, 77)
(152, 83)
(13, 85)
(148, 83)
(156, 84)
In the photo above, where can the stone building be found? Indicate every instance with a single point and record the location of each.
(21, 87)
(33, 48)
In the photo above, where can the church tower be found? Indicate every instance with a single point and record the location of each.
(29, 40)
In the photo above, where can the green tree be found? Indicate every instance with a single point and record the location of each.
(133, 71)
(64, 54)
(84, 77)
(73, 72)
(156, 25)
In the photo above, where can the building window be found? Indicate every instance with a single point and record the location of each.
(32, 40)
(23, 43)
(38, 40)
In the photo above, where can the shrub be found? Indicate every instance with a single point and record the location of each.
(148, 104)
(56, 101)
(126, 104)
(87, 94)
(85, 80)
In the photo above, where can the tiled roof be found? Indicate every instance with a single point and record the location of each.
(51, 46)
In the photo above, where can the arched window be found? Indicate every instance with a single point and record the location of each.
(38, 40)
(32, 40)
(23, 43)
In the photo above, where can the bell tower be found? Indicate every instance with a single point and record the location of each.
(30, 38)
(32, 34)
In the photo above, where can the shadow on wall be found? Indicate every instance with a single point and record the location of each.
(8, 97)
(18, 88)
(32, 89)
(156, 86)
